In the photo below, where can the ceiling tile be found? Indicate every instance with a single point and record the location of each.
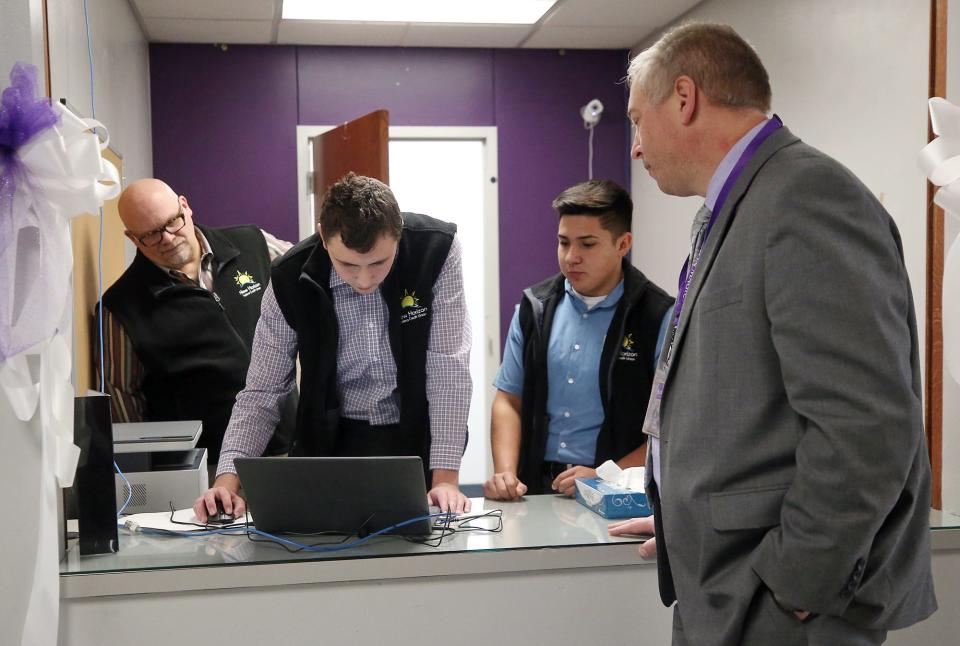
(240, 32)
(574, 24)
(314, 32)
(586, 37)
(208, 9)
(648, 14)
(430, 35)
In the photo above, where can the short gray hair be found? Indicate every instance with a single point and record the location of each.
(719, 61)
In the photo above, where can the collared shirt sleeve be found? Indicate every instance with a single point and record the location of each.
(510, 376)
(270, 379)
(275, 246)
(448, 384)
(122, 369)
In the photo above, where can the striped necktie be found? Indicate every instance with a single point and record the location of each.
(698, 231)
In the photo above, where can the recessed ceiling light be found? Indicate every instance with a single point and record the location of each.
(509, 12)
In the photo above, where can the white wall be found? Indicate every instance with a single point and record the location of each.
(849, 78)
(21, 36)
(121, 74)
(21, 39)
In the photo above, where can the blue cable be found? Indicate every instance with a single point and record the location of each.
(86, 20)
(103, 376)
(344, 546)
(127, 485)
(93, 110)
(306, 548)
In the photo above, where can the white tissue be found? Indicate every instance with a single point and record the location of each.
(590, 495)
(630, 478)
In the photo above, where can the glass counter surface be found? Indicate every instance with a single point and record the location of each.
(943, 520)
(537, 522)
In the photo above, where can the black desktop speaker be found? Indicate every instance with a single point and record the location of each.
(94, 484)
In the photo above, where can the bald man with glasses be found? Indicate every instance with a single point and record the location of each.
(179, 323)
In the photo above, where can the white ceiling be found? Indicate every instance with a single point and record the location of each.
(570, 24)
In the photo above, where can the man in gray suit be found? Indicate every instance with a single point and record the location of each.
(787, 466)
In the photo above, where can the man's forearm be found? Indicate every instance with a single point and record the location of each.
(448, 407)
(448, 385)
(255, 416)
(445, 476)
(635, 458)
(270, 379)
(505, 432)
(228, 481)
(506, 451)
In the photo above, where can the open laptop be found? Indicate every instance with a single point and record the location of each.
(355, 495)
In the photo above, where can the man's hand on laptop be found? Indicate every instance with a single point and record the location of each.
(224, 489)
(446, 493)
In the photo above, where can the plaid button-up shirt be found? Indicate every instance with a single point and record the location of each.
(366, 370)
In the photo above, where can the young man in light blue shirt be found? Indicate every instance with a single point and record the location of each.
(579, 358)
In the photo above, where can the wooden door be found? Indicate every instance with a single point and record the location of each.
(359, 146)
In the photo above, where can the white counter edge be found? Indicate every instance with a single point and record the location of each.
(240, 575)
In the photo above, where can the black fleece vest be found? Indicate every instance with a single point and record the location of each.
(626, 369)
(195, 345)
(301, 282)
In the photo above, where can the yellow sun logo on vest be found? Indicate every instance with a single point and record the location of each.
(409, 300)
(243, 278)
(628, 342)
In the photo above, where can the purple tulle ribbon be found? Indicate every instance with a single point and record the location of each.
(22, 115)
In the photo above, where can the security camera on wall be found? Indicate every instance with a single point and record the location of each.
(591, 113)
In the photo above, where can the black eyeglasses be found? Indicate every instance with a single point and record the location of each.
(174, 224)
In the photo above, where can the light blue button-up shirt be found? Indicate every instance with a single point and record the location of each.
(574, 405)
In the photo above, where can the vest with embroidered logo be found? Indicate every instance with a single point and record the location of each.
(301, 282)
(195, 344)
(626, 369)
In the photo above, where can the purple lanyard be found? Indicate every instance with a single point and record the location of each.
(686, 278)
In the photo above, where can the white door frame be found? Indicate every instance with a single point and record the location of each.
(488, 136)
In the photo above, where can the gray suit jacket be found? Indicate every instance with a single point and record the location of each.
(792, 449)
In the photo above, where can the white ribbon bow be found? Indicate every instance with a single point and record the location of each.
(940, 162)
(66, 166)
(63, 176)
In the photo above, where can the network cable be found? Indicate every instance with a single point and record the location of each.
(293, 546)
(103, 376)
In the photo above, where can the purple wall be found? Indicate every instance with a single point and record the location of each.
(224, 127)
(420, 87)
(224, 132)
(543, 150)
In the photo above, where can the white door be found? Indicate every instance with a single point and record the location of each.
(446, 179)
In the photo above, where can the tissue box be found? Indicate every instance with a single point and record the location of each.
(611, 501)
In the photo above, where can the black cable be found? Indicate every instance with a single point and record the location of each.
(446, 523)
(199, 526)
(448, 529)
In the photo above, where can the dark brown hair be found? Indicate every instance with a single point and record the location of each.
(361, 210)
(602, 198)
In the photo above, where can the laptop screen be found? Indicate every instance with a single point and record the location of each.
(354, 495)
